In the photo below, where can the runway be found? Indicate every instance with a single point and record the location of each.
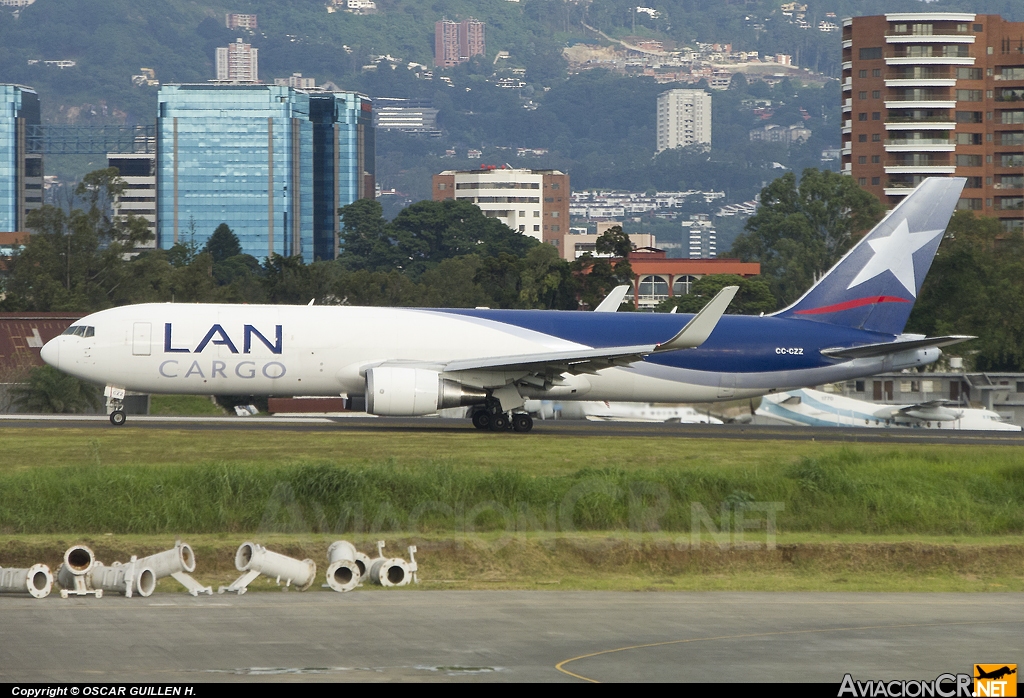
(409, 635)
(574, 428)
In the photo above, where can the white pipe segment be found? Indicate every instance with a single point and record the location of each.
(35, 580)
(253, 559)
(343, 575)
(389, 572)
(342, 571)
(362, 561)
(341, 550)
(180, 558)
(124, 579)
(72, 575)
(78, 560)
(177, 563)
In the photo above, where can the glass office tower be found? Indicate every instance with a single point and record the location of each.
(271, 161)
(21, 171)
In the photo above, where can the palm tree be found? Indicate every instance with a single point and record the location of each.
(49, 390)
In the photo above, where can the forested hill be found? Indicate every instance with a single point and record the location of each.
(111, 39)
(598, 126)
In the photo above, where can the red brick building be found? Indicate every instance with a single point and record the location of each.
(657, 277)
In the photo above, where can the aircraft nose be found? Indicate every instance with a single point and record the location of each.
(50, 352)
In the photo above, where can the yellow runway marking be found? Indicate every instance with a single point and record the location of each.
(561, 665)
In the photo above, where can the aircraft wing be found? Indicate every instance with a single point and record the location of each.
(613, 300)
(575, 361)
(867, 351)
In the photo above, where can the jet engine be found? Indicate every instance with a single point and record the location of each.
(396, 391)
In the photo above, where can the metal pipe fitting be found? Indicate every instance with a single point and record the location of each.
(342, 571)
(343, 575)
(252, 559)
(73, 574)
(176, 563)
(35, 580)
(127, 579)
(390, 572)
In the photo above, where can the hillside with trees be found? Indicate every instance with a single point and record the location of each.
(598, 126)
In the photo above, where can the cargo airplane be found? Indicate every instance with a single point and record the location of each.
(409, 361)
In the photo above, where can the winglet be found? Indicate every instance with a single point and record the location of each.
(613, 300)
(700, 327)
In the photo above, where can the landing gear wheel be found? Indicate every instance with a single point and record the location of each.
(499, 422)
(481, 420)
(522, 423)
(118, 417)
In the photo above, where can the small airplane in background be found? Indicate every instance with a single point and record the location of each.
(806, 407)
(417, 361)
(598, 411)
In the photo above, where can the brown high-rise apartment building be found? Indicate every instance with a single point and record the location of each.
(936, 94)
(457, 42)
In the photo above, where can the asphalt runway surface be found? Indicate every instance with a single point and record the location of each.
(565, 427)
(409, 635)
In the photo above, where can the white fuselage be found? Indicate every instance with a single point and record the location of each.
(278, 350)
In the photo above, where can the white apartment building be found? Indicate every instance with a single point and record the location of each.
(684, 118)
(533, 202)
(238, 62)
(138, 170)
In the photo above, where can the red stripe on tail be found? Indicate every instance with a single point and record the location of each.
(870, 300)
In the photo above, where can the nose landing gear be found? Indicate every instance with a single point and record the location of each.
(115, 405)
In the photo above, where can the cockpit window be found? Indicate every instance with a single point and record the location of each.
(80, 331)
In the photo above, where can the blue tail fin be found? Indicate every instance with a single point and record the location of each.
(875, 285)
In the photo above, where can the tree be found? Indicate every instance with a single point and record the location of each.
(976, 286)
(799, 232)
(223, 244)
(365, 238)
(50, 391)
(76, 259)
(754, 296)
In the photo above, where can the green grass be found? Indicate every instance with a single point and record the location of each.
(544, 512)
(822, 488)
(183, 406)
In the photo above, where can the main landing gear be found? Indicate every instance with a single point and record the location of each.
(491, 417)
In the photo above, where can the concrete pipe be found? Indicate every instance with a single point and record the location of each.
(343, 575)
(128, 579)
(177, 563)
(253, 559)
(390, 572)
(36, 580)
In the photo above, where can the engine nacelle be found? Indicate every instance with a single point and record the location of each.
(396, 391)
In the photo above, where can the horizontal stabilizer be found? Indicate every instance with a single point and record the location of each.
(867, 351)
(700, 327)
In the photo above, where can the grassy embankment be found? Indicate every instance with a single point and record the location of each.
(489, 511)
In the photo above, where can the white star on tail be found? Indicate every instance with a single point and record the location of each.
(895, 253)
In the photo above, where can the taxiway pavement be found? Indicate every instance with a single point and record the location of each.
(411, 635)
